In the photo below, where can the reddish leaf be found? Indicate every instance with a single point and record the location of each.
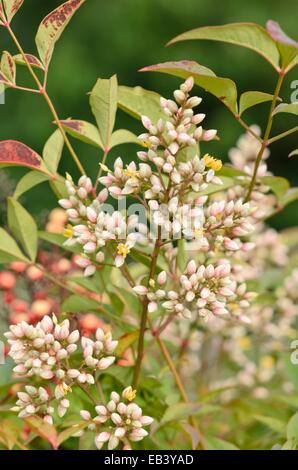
(52, 27)
(279, 35)
(1, 14)
(44, 430)
(33, 61)
(11, 7)
(8, 67)
(3, 79)
(13, 152)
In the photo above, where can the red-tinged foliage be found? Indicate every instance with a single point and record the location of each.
(13, 152)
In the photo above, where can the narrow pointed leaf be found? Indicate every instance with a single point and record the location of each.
(103, 102)
(292, 428)
(249, 35)
(275, 424)
(122, 136)
(52, 26)
(223, 88)
(83, 130)
(69, 432)
(214, 443)
(28, 181)
(8, 67)
(291, 108)
(46, 431)
(138, 102)
(2, 16)
(12, 7)
(9, 247)
(33, 61)
(278, 185)
(52, 151)
(23, 226)
(126, 341)
(249, 99)
(293, 153)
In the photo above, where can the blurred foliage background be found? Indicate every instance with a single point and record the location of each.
(121, 36)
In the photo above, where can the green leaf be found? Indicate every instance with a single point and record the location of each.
(192, 433)
(290, 196)
(33, 61)
(57, 239)
(181, 255)
(51, 28)
(103, 102)
(69, 432)
(249, 99)
(126, 341)
(273, 423)
(214, 443)
(84, 131)
(116, 302)
(279, 185)
(291, 108)
(216, 188)
(28, 181)
(76, 303)
(58, 188)
(138, 102)
(44, 430)
(11, 7)
(180, 411)
(122, 136)
(23, 227)
(293, 153)
(9, 247)
(290, 444)
(287, 46)
(52, 151)
(8, 67)
(2, 16)
(223, 88)
(249, 35)
(292, 427)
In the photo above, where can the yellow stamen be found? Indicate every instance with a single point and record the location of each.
(267, 362)
(129, 394)
(199, 233)
(129, 173)
(64, 388)
(68, 232)
(123, 249)
(244, 342)
(211, 162)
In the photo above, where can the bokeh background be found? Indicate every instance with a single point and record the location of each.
(121, 36)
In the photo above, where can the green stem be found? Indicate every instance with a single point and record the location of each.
(283, 134)
(266, 137)
(44, 93)
(104, 159)
(144, 317)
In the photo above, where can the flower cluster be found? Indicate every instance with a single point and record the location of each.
(202, 290)
(45, 351)
(118, 421)
(35, 401)
(94, 227)
(163, 179)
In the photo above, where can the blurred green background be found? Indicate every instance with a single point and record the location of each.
(121, 36)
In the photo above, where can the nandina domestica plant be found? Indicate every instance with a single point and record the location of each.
(156, 309)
